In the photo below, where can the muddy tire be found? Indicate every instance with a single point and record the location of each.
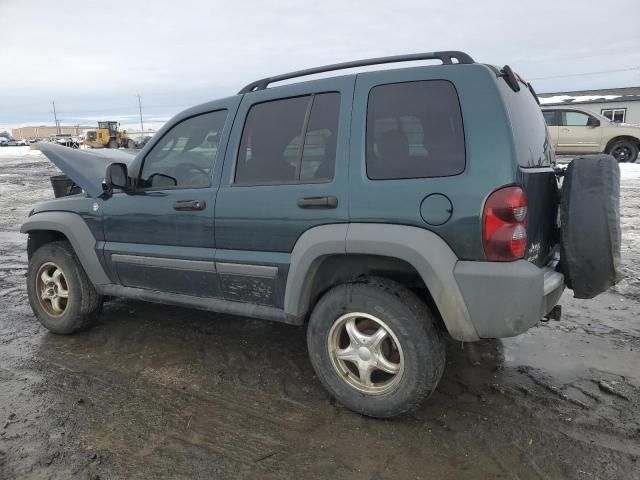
(112, 144)
(60, 293)
(375, 347)
(624, 151)
(590, 225)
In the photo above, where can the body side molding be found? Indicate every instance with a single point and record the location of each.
(72, 226)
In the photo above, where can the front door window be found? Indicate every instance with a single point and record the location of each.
(184, 157)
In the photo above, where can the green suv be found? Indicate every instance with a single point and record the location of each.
(385, 210)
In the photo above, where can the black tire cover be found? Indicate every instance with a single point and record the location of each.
(590, 225)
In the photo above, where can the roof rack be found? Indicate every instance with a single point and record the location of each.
(446, 57)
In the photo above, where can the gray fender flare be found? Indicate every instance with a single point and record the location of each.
(432, 258)
(72, 226)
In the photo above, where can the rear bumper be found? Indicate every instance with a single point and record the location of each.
(506, 299)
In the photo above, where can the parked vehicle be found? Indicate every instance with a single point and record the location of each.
(65, 139)
(384, 209)
(3, 141)
(576, 131)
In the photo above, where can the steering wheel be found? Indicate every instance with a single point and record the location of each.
(191, 174)
(188, 166)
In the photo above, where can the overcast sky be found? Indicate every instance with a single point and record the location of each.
(93, 57)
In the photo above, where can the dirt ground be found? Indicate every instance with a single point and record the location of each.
(161, 392)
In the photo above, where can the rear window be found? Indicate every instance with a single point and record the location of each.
(291, 140)
(414, 130)
(529, 127)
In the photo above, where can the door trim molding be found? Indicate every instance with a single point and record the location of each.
(223, 268)
(161, 262)
(263, 271)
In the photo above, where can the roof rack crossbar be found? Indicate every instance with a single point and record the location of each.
(446, 57)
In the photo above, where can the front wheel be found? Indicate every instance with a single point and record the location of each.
(624, 151)
(60, 293)
(375, 347)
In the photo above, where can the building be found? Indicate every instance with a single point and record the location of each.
(617, 104)
(42, 131)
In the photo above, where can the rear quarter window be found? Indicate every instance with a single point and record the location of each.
(414, 130)
(529, 128)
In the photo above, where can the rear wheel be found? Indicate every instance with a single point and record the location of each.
(624, 151)
(60, 293)
(375, 347)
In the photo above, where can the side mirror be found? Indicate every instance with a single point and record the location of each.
(593, 122)
(116, 176)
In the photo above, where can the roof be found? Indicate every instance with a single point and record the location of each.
(610, 95)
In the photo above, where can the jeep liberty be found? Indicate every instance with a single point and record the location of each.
(382, 209)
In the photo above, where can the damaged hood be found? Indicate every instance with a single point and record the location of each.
(85, 167)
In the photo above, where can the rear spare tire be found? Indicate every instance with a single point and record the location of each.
(590, 225)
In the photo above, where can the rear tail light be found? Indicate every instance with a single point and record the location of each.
(504, 225)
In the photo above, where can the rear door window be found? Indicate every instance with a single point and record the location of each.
(272, 149)
(414, 130)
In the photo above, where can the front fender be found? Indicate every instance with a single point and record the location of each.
(72, 226)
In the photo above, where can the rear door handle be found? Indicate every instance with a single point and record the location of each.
(318, 202)
(189, 205)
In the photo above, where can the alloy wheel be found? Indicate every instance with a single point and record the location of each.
(366, 353)
(52, 289)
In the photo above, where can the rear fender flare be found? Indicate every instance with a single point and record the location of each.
(432, 258)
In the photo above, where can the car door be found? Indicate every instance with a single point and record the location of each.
(161, 237)
(579, 133)
(552, 118)
(285, 172)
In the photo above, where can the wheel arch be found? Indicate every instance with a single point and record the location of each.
(330, 254)
(46, 227)
(629, 138)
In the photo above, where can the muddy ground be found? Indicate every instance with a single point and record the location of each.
(162, 392)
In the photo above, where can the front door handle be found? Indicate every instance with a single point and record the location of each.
(189, 205)
(318, 202)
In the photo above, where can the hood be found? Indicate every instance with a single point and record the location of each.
(85, 167)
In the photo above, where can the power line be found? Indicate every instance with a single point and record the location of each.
(586, 73)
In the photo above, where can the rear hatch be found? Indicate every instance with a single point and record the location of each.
(536, 159)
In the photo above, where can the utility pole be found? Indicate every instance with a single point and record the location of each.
(141, 124)
(55, 117)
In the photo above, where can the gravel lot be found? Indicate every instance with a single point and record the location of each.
(163, 392)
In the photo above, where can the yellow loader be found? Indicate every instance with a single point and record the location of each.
(108, 135)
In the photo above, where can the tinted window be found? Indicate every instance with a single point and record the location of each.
(550, 117)
(532, 146)
(414, 130)
(575, 119)
(186, 154)
(271, 150)
(319, 153)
